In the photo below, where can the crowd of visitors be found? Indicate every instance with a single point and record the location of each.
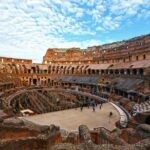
(91, 103)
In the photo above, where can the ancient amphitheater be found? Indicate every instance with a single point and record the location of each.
(78, 99)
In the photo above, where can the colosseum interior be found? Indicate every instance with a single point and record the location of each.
(78, 99)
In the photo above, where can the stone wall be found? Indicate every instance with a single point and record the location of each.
(125, 51)
(15, 60)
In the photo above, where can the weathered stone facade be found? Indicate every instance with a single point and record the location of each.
(124, 51)
(117, 72)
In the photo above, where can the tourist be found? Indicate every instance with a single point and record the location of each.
(100, 106)
(82, 107)
(93, 108)
(110, 114)
(101, 103)
(93, 105)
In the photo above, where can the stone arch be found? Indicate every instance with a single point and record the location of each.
(53, 69)
(49, 69)
(61, 69)
(89, 71)
(57, 69)
(111, 71)
(33, 69)
(141, 71)
(93, 71)
(64, 70)
(72, 70)
(134, 71)
(147, 120)
(37, 69)
(15, 69)
(85, 70)
(25, 69)
(144, 57)
(128, 72)
(81, 69)
(122, 71)
(102, 71)
(21, 69)
(77, 69)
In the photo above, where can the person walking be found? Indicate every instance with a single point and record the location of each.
(82, 107)
(110, 114)
(100, 106)
(93, 108)
(95, 103)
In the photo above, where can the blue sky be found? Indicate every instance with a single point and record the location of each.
(29, 27)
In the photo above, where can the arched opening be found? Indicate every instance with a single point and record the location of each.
(130, 58)
(141, 72)
(39, 80)
(128, 71)
(84, 71)
(52, 82)
(147, 121)
(53, 69)
(35, 81)
(49, 69)
(57, 69)
(102, 71)
(49, 80)
(72, 70)
(33, 70)
(30, 81)
(45, 82)
(121, 71)
(89, 71)
(134, 71)
(106, 71)
(37, 68)
(29, 71)
(111, 71)
(116, 71)
(97, 71)
(67, 71)
(93, 71)
(64, 71)
(77, 70)
(61, 70)
(80, 69)
(45, 71)
(124, 60)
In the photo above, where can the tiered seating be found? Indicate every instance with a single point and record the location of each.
(141, 108)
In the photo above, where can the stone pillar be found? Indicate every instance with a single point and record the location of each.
(84, 134)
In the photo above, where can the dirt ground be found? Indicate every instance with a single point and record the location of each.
(72, 118)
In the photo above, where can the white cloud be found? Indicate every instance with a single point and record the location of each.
(31, 26)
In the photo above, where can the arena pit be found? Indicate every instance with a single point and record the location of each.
(72, 118)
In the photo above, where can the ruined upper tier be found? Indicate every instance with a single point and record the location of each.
(127, 50)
